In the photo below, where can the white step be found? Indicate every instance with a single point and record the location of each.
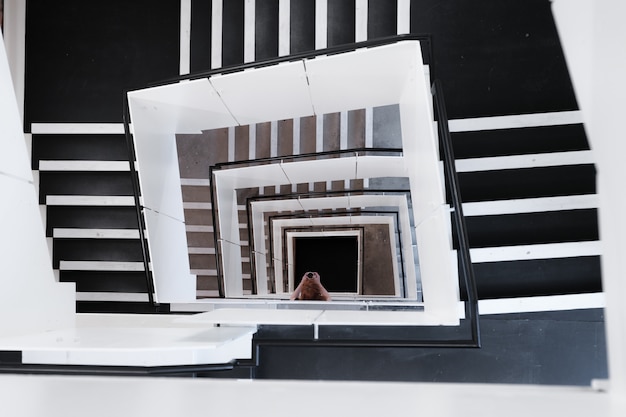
(516, 121)
(525, 161)
(530, 205)
(540, 251)
(112, 296)
(66, 233)
(106, 166)
(89, 200)
(100, 266)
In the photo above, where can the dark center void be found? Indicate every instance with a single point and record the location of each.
(335, 258)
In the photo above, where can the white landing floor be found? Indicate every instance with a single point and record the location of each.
(134, 340)
(69, 396)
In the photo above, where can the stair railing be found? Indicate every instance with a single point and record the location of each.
(452, 181)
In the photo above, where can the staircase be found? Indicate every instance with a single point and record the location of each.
(527, 180)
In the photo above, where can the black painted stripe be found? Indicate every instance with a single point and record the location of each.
(78, 147)
(302, 25)
(266, 29)
(232, 32)
(341, 22)
(538, 277)
(533, 228)
(118, 250)
(84, 183)
(109, 281)
(531, 140)
(120, 307)
(201, 26)
(88, 217)
(527, 183)
(382, 18)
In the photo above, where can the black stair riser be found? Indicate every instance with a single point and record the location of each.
(530, 140)
(78, 147)
(533, 228)
(527, 183)
(86, 217)
(109, 281)
(119, 250)
(84, 183)
(538, 277)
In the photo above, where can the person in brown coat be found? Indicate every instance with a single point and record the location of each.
(310, 288)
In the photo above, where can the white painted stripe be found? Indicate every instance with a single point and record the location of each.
(185, 36)
(404, 17)
(14, 35)
(249, 12)
(369, 127)
(95, 233)
(252, 142)
(216, 33)
(343, 130)
(112, 296)
(231, 144)
(196, 206)
(319, 133)
(273, 138)
(524, 161)
(516, 121)
(296, 136)
(28, 138)
(198, 229)
(195, 182)
(541, 251)
(360, 26)
(84, 165)
(89, 200)
(77, 128)
(201, 251)
(321, 24)
(541, 303)
(530, 205)
(100, 266)
(204, 272)
(284, 27)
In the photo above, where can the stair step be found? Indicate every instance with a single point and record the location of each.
(66, 233)
(540, 251)
(112, 296)
(516, 121)
(525, 161)
(89, 200)
(71, 165)
(530, 205)
(100, 266)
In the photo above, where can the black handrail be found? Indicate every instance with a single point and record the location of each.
(138, 206)
(457, 205)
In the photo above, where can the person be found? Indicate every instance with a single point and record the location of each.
(310, 288)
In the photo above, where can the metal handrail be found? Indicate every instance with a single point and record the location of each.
(138, 206)
(457, 205)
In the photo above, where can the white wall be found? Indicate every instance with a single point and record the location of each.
(593, 35)
(30, 299)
